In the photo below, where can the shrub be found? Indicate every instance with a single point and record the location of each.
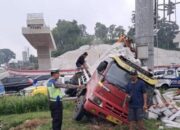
(18, 104)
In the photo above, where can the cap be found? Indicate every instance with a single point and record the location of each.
(134, 72)
(55, 70)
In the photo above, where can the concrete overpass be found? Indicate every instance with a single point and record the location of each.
(40, 37)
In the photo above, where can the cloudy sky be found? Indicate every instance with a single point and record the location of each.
(13, 16)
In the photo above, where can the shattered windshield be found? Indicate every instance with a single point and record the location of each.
(117, 76)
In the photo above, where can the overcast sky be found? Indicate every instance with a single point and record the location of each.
(13, 16)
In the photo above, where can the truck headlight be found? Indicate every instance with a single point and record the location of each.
(96, 100)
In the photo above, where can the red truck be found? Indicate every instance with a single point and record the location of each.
(105, 96)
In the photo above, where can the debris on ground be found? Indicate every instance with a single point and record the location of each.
(165, 108)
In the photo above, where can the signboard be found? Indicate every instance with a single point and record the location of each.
(142, 52)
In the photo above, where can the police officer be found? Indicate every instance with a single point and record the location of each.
(55, 98)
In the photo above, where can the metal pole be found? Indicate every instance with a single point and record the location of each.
(164, 2)
(175, 11)
(157, 14)
(169, 14)
(157, 28)
(157, 46)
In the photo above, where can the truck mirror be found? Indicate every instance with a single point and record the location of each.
(102, 66)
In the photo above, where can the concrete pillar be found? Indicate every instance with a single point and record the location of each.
(144, 31)
(40, 37)
(44, 58)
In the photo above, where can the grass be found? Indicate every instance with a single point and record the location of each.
(42, 121)
(17, 119)
(20, 104)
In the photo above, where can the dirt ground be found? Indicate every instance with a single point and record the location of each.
(31, 124)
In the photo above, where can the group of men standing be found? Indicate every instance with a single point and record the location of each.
(136, 95)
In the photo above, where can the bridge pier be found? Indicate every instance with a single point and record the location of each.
(40, 37)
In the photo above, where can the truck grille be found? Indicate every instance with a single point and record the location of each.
(116, 111)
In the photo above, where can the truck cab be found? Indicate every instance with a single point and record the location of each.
(105, 93)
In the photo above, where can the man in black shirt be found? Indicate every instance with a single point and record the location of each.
(81, 63)
(136, 90)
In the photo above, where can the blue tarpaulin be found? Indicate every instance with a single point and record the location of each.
(2, 90)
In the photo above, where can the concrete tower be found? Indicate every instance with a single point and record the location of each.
(25, 56)
(144, 31)
(40, 37)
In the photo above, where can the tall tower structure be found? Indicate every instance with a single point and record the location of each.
(25, 56)
(144, 22)
(40, 37)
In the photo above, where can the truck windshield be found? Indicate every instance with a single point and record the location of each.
(117, 76)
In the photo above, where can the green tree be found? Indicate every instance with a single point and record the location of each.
(83, 28)
(114, 33)
(101, 31)
(166, 34)
(111, 31)
(33, 59)
(69, 35)
(119, 31)
(131, 33)
(6, 55)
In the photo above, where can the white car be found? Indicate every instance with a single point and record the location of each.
(170, 79)
(29, 90)
(159, 73)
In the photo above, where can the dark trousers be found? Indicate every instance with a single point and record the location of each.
(56, 109)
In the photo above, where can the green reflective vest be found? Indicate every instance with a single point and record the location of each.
(55, 94)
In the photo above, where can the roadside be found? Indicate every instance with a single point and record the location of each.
(42, 121)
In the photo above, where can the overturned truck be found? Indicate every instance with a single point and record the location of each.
(104, 95)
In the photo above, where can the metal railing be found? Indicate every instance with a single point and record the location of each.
(33, 16)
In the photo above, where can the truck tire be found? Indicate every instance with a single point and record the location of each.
(79, 111)
(165, 86)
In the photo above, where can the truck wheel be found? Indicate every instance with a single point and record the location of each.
(165, 86)
(79, 110)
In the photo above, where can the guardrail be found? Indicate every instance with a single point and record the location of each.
(166, 66)
(39, 72)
